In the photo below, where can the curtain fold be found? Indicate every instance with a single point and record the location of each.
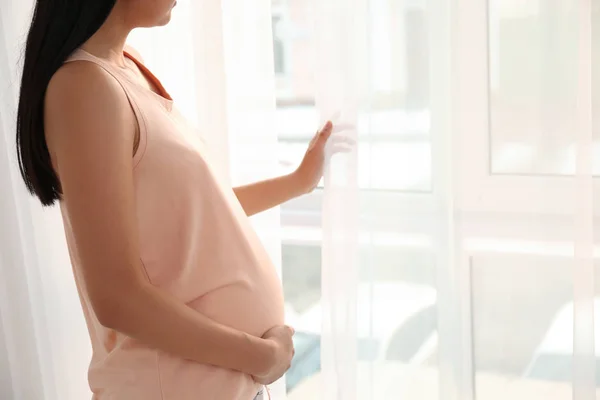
(342, 96)
(584, 360)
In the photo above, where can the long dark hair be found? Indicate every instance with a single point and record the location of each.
(57, 29)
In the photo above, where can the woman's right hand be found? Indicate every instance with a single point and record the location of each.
(280, 338)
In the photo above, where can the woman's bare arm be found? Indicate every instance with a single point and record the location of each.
(260, 196)
(90, 131)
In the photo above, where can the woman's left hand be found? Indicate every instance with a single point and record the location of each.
(310, 171)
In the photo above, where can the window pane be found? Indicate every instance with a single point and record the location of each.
(533, 63)
(557, 367)
(396, 317)
(522, 326)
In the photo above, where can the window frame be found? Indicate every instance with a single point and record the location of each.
(481, 190)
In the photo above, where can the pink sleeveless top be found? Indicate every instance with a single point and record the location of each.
(196, 243)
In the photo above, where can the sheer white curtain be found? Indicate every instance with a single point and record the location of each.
(473, 277)
(45, 345)
(452, 255)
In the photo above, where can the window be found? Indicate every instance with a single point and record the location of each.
(513, 189)
(533, 86)
(520, 124)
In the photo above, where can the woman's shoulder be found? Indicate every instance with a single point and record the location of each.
(131, 50)
(84, 93)
(82, 78)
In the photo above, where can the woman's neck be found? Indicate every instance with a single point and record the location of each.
(109, 41)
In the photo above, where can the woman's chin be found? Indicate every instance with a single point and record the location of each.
(165, 20)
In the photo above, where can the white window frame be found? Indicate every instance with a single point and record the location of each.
(480, 190)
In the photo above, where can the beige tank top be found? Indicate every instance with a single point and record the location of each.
(196, 243)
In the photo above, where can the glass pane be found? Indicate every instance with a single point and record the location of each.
(533, 64)
(522, 326)
(396, 317)
(397, 322)
(302, 289)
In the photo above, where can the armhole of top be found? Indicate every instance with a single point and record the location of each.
(137, 113)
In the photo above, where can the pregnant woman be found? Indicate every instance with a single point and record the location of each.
(180, 298)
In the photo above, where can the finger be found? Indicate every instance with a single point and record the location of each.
(326, 131)
(327, 127)
(291, 330)
(314, 139)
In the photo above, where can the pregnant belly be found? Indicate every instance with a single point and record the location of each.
(252, 308)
